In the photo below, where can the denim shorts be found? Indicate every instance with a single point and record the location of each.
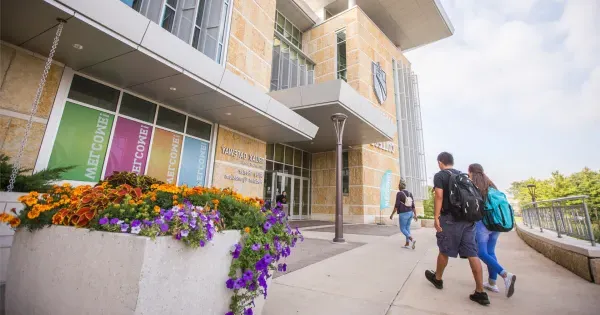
(457, 237)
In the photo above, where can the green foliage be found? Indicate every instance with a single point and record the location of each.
(428, 204)
(143, 182)
(39, 181)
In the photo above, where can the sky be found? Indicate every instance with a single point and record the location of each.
(516, 88)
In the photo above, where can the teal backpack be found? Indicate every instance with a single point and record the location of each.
(498, 215)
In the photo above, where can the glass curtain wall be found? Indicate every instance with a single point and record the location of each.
(200, 23)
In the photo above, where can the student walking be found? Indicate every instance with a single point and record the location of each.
(486, 239)
(405, 207)
(456, 209)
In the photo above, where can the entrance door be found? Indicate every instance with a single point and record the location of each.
(297, 191)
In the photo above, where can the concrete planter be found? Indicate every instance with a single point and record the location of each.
(428, 223)
(63, 270)
(7, 202)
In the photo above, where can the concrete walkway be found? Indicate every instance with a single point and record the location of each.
(381, 278)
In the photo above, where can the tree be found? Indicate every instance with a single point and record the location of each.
(428, 203)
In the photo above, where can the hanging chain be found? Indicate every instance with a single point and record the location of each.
(34, 107)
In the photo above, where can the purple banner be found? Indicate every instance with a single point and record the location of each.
(129, 149)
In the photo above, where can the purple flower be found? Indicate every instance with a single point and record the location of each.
(148, 222)
(124, 227)
(267, 247)
(164, 227)
(268, 259)
(248, 311)
(184, 233)
(135, 223)
(267, 226)
(256, 247)
(194, 214)
(248, 275)
(103, 221)
(136, 226)
(235, 251)
(178, 236)
(272, 219)
(260, 265)
(114, 221)
(282, 267)
(278, 246)
(240, 283)
(229, 313)
(203, 218)
(286, 251)
(252, 286)
(229, 283)
(169, 215)
(193, 223)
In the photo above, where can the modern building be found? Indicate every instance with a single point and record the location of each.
(225, 93)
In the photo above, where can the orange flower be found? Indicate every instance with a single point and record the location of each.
(33, 213)
(175, 202)
(156, 209)
(153, 198)
(247, 230)
(215, 202)
(175, 197)
(15, 222)
(5, 217)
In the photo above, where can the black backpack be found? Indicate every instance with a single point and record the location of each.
(465, 199)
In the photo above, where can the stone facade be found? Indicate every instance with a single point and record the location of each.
(365, 43)
(20, 74)
(239, 170)
(250, 48)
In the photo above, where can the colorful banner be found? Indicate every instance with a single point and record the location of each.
(385, 189)
(81, 141)
(193, 162)
(165, 154)
(129, 148)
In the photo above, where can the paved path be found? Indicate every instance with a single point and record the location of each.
(381, 278)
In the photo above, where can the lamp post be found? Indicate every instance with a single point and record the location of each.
(531, 188)
(339, 120)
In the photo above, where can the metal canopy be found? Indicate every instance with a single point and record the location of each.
(365, 124)
(124, 48)
(407, 23)
(298, 12)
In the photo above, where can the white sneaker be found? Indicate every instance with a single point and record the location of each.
(489, 287)
(406, 247)
(509, 283)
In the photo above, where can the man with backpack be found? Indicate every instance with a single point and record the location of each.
(458, 205)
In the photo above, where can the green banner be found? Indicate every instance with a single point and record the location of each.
(81, 141)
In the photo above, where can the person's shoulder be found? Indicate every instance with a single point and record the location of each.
(440, 174)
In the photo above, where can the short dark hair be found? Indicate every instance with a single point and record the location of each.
(446, 158)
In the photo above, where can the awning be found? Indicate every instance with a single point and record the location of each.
(126, 49)
(317, 102)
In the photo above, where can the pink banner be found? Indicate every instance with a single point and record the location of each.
(129, 149)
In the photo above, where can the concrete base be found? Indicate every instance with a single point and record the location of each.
(63, 270)
(428, 223)
(575, 255)
(7, 202)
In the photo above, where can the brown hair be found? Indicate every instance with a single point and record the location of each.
(481, 181)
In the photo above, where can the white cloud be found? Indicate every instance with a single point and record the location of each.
(517, 84)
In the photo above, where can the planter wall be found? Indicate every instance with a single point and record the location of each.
(428, 223)
(63, 270)
(7, 202)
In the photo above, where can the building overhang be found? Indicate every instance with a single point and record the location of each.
(407, 23)
(299, 13)
(318, 102)
(125, 49)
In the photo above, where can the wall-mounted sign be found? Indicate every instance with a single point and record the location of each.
(129, 148)
(246, 176)
(379, 82)
(385, 189)
(242, 155)
(193, 162)
(81, 141)
(165, 154)
(385, 146)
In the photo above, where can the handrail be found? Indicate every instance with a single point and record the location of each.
(559, 199)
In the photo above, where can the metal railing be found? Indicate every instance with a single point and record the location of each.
(565, 216)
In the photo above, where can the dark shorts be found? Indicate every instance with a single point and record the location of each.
(457, 238)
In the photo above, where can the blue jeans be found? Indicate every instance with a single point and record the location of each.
(404, 219)
(486, 243)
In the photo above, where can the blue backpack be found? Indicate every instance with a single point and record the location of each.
(498, 214)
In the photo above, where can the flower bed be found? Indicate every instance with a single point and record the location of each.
(191, 215)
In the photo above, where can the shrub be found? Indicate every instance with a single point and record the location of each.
(39, 181)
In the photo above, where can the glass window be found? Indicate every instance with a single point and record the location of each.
(198, 128)
(306, 160)
(305, 173)
(297, 171)
(269, 166)
(270, 151)
(278, 152)
(288, 30)
(341, 55)
(297, 158)
(168, 20)
(289, 155)
(137, 108)
(345, 174)
(170, 119)
(289, 169)
(93, 93)
(278, 167)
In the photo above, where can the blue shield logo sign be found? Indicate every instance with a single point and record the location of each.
(385, 189)
(379, 82)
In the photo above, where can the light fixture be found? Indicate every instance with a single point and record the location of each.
(228, 114)
(173, 88)
(78, 46)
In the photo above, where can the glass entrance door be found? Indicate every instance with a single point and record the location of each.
(296, 189)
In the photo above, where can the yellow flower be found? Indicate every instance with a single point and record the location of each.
(175, 202)
(156, 209)
(15, 222)
(247, 230)
(175, 197)
(34, 213)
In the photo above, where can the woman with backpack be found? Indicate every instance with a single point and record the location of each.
(405, 207)
(486, 238)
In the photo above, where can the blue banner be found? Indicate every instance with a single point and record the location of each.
(193, 162)
(385, 189)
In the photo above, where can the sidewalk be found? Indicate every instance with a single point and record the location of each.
(381, 278)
